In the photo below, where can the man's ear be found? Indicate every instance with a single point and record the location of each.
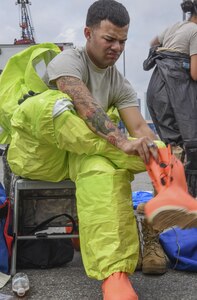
(87, 32)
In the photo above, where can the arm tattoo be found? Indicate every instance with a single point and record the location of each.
(89, 110)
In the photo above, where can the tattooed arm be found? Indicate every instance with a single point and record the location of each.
(90, 111)
(99, 122)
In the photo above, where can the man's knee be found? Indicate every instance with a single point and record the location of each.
(97, 163)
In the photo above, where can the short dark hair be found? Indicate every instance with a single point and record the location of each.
(189, 6)
(110, 10)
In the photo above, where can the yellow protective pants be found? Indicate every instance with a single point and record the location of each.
(103, 175)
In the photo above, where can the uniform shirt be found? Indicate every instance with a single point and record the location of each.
(181, 37)
(108, 86)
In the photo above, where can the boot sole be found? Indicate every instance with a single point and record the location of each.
(158, 271)
(172, 207)
(166, 218)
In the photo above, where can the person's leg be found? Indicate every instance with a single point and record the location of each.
(161, 111)
(73, 135)
(108, 233)
(191, 167)
(106, 219)
(182, 94)
(153, 256)
(92, 144)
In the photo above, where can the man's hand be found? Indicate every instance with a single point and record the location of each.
(143, 147)
(138, 128)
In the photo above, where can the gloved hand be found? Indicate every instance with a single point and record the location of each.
(26, 96)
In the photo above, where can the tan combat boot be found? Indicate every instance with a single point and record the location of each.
(154, 259)
(139, 263)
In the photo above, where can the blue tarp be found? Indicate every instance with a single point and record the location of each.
(3, 246)
(141, 197)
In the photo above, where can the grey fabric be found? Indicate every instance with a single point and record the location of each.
(7, 173)
(171, 99)
(150, 61)
(172, 102)
(192, 184)
(180, 37)
(191, 168)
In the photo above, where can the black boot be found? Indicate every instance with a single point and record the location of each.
(191, 168)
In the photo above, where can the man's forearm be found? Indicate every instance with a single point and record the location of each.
(145, 131)
(90, 111)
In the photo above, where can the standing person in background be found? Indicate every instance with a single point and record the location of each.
(172, 90)
(89, 76)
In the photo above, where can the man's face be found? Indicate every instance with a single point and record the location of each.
(105, 43)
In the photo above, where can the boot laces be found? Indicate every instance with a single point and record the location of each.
(151, 240)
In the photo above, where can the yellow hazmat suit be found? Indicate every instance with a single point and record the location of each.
(53, 147)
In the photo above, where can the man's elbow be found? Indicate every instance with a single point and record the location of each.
(193, 69)
(194, 76)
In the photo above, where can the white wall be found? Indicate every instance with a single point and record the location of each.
(6, 51)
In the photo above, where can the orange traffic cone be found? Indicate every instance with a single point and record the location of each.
(118, 287)
(173, 205)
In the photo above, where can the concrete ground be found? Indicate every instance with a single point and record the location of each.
(71, 283)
